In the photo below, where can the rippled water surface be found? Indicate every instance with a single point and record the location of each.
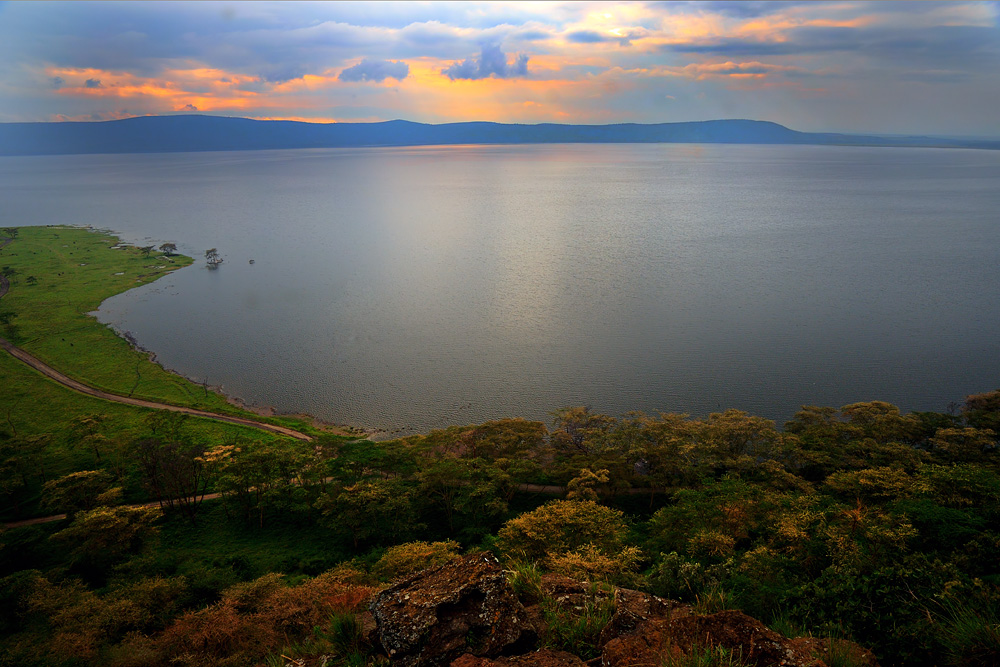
(412, 288)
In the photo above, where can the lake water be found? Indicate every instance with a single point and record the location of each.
(413, 288)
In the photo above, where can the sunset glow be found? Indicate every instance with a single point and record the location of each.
(924, 67)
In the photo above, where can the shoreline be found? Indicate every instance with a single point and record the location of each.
(50, 364)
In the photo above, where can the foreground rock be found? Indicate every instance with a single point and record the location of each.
(464, 606)
(544, 658)
(465, 614)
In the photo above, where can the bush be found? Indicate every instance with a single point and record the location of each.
(405, 559)
(561, 526)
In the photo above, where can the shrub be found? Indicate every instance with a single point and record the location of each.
(405, 559)
(561, 526)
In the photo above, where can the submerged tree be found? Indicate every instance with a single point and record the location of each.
(213, 258)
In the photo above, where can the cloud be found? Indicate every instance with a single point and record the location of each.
(586, 37)
(531, 35)
(492, 63)
(376, 70)
(189, 107)
(93, 83)
(748, 9)
(57, 81)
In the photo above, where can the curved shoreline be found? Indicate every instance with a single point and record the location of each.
(81, 388)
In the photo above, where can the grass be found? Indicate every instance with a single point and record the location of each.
(74, 270)
(71, 271)
(577, 630)
(341, 643)
(709, 656)
(970, 634)
(215, 538)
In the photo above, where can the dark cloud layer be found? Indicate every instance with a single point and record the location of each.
(375, 70)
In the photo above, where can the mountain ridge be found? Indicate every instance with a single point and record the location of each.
(194, 133)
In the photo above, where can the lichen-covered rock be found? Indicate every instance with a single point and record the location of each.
(648, 645)
(681, 634)
(756, 643)
(634, 610)
(832, 650)
(464, 606)
(543, 658)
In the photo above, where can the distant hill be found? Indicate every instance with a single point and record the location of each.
(163, 134)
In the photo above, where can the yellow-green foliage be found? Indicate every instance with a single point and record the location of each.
(563, 526)
(881, 484)
(589, 563)
(107, 534)
(405, 559)
(583, 486)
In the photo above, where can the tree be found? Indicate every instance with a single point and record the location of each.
(146, 250)
(168, 249)
(256, 477)
(561, 526)
(582, 487)
(578, 429)
(89, 429)
(983, 410)
(104, 536)
(80, 492)
(11, 331)
(32, 280)
(373, 511)
(10, 273)
(880, 421)
(174, 472)
(10, 232)
(963, 444)
(213, 258)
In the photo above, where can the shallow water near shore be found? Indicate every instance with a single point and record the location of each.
(411, 288)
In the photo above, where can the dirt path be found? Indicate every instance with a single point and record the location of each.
(81, 388)
(524, 488)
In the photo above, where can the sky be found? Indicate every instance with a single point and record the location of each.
(877, 67)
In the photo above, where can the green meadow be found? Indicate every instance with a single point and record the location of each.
(58, 275)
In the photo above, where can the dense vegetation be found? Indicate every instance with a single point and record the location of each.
(859, 522)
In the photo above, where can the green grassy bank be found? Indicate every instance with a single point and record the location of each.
(57, 275)
(74, 270)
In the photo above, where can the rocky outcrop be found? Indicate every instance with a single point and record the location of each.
(543, 658)
(463, 606)
(465, 614)
(634, 611)
(838, 651)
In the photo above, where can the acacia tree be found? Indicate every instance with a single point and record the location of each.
(368, 511)
(255, 477)
(104, 536)
(174, 472)
(168, 249)
(80, 491)
(89, 429)
(146, 250)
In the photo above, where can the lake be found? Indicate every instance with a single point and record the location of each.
(405, 289)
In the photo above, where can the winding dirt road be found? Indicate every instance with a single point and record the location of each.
(81, 388)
